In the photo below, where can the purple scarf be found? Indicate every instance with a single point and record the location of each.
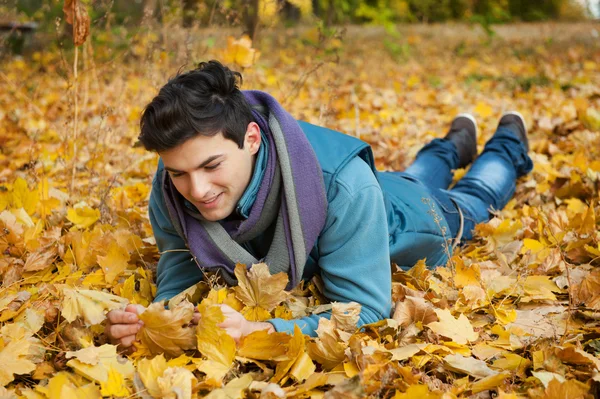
(291, 195)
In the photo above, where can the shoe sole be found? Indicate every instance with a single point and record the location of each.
(471, 118)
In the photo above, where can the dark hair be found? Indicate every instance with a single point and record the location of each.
(203, 101)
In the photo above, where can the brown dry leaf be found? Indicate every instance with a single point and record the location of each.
(574, 355)
(413, 310)
(168, 330)
(260, 291)
(588, 291)
(327, 349)
(459, 330)
(76, 15)
(345, 316)
(570, 389)
(40, 260)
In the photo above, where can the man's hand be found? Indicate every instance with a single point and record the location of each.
(237, 326)
(122, 325)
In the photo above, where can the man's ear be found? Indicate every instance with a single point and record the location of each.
(252, 138)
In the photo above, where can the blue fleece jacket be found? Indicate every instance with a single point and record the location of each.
(351, 254)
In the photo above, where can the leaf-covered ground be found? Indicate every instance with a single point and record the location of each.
(516, 313)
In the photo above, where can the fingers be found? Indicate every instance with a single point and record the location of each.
(133, 308)
(118, 331)
(122, 316)
(196, 318)
(227, 309)
(127, 341)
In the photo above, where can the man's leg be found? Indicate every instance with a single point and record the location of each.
(435, 163)
(491, 181)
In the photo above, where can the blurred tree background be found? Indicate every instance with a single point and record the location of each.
(249, 13)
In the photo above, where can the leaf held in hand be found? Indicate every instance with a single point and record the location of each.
(259, 290)
(168, 330)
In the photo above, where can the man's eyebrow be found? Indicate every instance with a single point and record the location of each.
(203, 164)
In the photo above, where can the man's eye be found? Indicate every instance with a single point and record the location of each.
(211, 167)
(173, 174)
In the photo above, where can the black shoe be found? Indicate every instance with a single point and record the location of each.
(463, 133)
(516, 123)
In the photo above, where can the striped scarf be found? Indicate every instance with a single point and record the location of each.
(291, 195)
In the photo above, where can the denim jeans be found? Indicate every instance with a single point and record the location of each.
(488, 185)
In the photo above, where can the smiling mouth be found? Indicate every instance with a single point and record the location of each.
(210, 201)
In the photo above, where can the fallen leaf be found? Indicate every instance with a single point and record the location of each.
(214, 342)
(14, 360)
(167, 330)
(259, 290)
(345, 316)
(114, 263)
(459, 330)
(326, 349)
(412, 310)
(90, 305)
(468, 365)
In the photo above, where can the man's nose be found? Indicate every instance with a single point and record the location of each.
(199, 187)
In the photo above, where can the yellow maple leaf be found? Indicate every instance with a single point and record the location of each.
(466, 275)
(63, 386)
(14, 360)
(233, 390)
(417, 391)
(23, 197)
(114, 262)
(490, 382)
(260, 291)
(107, 359)
(149, 370)
(459, 330)
(297, 362)
(90, 305)
(262, 345)
(240, 52)
(114, 384)
(483, 110)
(168, 330)
(223, 296)
(83, 217)
(214, 342)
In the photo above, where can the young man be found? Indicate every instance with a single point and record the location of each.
(241, 181)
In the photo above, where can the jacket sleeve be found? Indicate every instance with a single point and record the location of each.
(354, 250)
(176, 269)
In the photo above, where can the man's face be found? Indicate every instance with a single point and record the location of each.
(212, 172)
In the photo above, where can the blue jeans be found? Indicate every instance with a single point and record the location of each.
(488, 185)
